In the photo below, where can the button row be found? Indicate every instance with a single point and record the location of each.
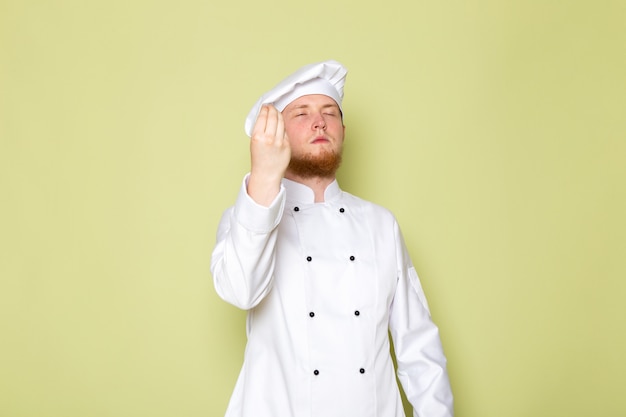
(341, 210)
(356, 313)
(317, 372)
(352, 258)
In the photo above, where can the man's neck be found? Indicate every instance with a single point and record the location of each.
(317, 184)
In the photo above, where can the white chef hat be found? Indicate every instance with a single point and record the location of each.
(326, 78)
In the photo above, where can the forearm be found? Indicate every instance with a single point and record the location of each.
(242, 266)
(422, 370)
(242, 263)
(422, 365)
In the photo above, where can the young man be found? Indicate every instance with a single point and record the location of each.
(324, 275)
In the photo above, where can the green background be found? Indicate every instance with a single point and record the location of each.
(494, 130)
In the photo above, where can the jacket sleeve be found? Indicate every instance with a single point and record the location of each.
(242, 263)
(419, 353)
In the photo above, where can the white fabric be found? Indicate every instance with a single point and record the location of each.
(326, 78)
(260, 264)
(315, 86)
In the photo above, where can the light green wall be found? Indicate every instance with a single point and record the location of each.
(494, 130)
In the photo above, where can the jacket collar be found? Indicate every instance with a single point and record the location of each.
(300, 193)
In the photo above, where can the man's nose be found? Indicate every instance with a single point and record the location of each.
(319, 122)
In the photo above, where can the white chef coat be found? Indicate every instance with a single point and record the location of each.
(323, 284)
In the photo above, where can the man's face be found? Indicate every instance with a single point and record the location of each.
(315, 129)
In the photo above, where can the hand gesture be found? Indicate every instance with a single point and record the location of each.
(269, 153)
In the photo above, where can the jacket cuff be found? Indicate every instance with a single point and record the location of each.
(255, 217)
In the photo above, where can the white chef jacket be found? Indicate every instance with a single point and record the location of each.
(323, 284)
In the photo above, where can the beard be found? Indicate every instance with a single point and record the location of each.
(324, 165)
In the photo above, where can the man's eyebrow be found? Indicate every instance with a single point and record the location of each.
(324, 106)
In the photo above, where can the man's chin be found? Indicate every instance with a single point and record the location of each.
(320, 166)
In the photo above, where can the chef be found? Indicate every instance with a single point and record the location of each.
(324, 276)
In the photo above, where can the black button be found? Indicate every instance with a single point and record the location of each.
(357, 313)
(312, 314)
(316, 372)
(362, 370)
(352, 258)
(341, 210)
(308, 258)
(296, 209)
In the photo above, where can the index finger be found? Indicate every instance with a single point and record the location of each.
(261, 120)
(272, 120)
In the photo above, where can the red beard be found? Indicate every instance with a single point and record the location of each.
(324, 165)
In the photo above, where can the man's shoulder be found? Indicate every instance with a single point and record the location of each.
(367, 206)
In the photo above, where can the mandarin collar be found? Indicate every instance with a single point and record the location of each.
(300, 193)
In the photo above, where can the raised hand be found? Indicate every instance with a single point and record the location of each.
(269, 153)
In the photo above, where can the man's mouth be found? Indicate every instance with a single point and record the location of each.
(320, 139)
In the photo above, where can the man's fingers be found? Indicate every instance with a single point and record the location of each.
(269, 126)
(272, 121)
(280, 127)
(261, 121)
